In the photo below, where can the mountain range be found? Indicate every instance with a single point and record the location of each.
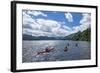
(30, 37)
(82, 36)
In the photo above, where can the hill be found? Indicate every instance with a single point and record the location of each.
(82, 36)
(30, 37)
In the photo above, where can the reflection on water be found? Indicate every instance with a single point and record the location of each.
(76, 50)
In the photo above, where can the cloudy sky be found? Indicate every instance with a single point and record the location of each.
(54, 24)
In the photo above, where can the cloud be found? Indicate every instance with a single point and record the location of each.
(69, 17)
(36, 13)
(75, 29)
(27, 31)
(52, 28)
(86, 18)
(42, 27)
(60, 32)
(48, 22)
(27, 18)
(85, 21)
(66, 27)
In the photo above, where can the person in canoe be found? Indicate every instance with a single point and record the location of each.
(76, 45)
(66, 49)
(46, 50)
(68, 44)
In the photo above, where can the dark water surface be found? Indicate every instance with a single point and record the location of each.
(77, 50)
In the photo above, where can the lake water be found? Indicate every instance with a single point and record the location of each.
(77, 50)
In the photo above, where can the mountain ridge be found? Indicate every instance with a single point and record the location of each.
(82, 36)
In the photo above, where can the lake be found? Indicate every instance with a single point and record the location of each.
(76, 50)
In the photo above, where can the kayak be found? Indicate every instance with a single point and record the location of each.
(45, 51)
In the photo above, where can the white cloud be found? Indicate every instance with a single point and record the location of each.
(26, 18)
(86, 18)
(50, 28)
(66, 27)
(27, 31)
(60, 32)
(85, 21)
(37, 32)
(47, 22)
(76, 29)
(36, 13)
(69, 17)
(41, 33)
(41, 27)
